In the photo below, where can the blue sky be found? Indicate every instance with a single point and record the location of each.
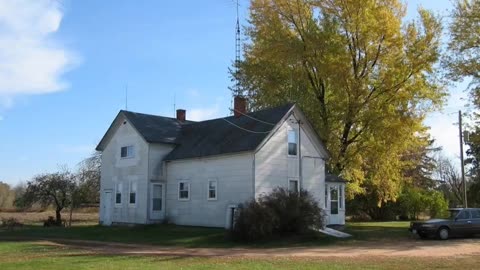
(68, 64)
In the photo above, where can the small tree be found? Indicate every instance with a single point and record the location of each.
(50, 189)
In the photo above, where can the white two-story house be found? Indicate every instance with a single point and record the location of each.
(157, 169)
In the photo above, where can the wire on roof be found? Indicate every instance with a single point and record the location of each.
(247, 130)
(253, 118)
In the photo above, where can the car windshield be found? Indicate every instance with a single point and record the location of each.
(454, 213)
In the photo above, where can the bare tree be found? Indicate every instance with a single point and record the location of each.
(450, 180)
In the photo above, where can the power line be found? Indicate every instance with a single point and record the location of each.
(253, 118)
(247, 130)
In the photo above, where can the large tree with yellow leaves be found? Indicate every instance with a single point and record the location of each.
(364, 77)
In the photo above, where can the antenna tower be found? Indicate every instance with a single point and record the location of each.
(237, 52)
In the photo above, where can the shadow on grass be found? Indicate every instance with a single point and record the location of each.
(201, 237)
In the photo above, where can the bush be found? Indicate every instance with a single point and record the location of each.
(437, 205)
(10, 223)
(279, 213)
(414, 201)
(254, 222)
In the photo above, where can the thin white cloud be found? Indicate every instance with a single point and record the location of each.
(32, 61)
(200, 114)
(1, 118)
(76, 149)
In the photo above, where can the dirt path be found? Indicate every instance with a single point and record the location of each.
(407, 248)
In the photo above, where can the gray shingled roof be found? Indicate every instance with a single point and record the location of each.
(156, 129)
(226, 135)
(212, 137)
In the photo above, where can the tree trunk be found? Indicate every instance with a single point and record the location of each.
(58, 216)
(71, 213)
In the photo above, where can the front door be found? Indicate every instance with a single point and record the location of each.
(157, 201)
(107, 208)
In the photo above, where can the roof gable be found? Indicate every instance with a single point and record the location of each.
(153, 128)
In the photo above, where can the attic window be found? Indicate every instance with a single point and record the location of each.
(292, 142)
(126, 152)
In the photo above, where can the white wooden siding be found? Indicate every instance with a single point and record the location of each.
(117, 169)
(234, 174)
(274, 167)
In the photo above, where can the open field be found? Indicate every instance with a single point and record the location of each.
(81, 216)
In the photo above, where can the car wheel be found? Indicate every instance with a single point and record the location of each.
(443, 233)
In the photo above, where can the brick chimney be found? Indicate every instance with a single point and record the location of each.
(181, 115)
(239, 106)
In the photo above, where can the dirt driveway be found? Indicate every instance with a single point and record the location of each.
(405, 248)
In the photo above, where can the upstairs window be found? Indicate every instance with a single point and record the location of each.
(118, 193)
(292, 142)
(212, 189)
(126, 151)
(183, 191)
(133, 193)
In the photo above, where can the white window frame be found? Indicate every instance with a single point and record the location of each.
(208, 190)
(118, 190)
(130, 184)
(294, 180)
(341, 195)
(130, 151)
(334, 187)
(187, 184)
(288, 141)
(327, 196)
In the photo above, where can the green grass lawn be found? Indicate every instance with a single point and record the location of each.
(31, 255)
(171, 235)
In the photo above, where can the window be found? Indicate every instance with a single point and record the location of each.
(212, 189)
(118, 193)
(157, 197)
(293, 185)
(340, 196)
(292, 142)
(133, 192)
(183, 191)
(475, 213)
(326, 196)
(464, 215)
(334, 200)
(126, 152)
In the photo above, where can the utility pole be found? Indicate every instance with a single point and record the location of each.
(461, 159)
